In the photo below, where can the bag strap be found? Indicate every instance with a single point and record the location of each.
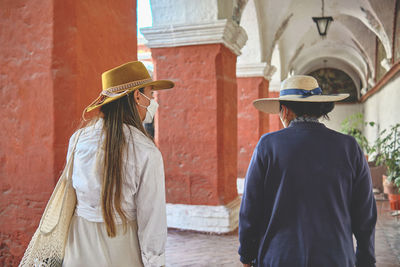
(52, 214)
(70, 161)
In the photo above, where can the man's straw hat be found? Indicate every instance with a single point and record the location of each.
(122, 80)
(299, 88)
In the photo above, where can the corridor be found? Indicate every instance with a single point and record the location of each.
(186, 248)
(221, 55)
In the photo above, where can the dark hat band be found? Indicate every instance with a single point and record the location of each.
(301, 92)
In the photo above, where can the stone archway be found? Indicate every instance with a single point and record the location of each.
(335, 81)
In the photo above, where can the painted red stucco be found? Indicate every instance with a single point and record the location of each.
(27, 132)
(52, 55)
(251, 122)
(196, 125)
(275, 123)
(88, 40)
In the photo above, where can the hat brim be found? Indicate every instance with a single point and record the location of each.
(271, 105)
(157, 85)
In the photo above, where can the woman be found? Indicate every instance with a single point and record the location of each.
(118, 176)
(308, 188)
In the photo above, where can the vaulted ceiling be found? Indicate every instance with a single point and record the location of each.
(282, 33)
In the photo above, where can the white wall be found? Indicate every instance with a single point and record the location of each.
(167, 12)
(251, 52)
(383, 108)
(341, 112)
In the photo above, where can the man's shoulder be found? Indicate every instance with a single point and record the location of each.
(271, 136)
(344, 138)
(327, 133)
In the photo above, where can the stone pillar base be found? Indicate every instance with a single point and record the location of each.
(203, 218)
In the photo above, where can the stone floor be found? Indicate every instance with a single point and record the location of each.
(387, 237)
(196, 249)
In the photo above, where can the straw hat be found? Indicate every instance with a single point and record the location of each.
(122, 80)
(299, 88)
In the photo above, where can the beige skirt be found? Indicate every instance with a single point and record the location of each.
(88, 245)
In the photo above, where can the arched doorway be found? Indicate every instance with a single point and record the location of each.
(335, 81)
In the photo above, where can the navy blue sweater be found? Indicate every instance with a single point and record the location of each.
(307, 190)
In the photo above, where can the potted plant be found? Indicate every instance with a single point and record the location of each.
(354, 125)
(387, 147)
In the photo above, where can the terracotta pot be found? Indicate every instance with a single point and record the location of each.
(386, 185)
(393, 193)
(394, 200)
(389, 187)
(376, 175)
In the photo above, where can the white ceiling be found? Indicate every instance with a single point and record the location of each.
(287, 25)
(282, 35)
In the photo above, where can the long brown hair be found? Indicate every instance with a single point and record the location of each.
(115, 114)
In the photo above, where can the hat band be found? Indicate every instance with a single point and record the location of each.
(302, 92)
(121, 89)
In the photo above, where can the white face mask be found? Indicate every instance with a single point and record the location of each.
(151, 109)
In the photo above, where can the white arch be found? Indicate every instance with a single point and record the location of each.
(349, 61)
(369, 18)
(251, 52)
(251, 62)
(335, 63)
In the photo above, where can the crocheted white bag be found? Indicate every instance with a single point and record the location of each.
(47, 245)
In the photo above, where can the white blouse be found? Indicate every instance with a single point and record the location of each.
(143, 188)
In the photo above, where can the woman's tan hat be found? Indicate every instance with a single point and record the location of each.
(122, 80)
(299, 88)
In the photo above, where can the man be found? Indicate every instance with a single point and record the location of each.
(307, 189)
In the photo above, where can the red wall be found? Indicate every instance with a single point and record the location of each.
(196, 125)
(26, 146)
(52, 55)
(252, 124)
(275, 123)
(90, 37)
